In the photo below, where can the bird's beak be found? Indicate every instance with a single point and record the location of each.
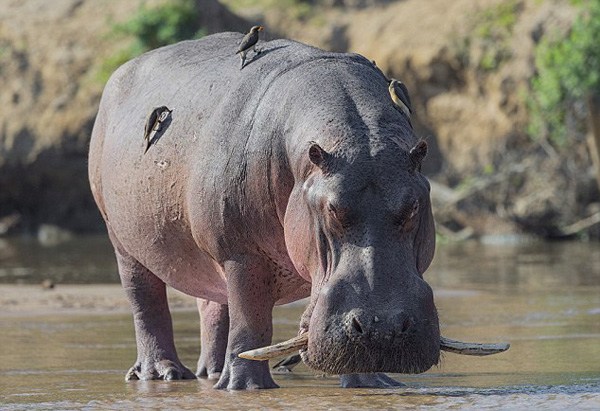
(260, 28)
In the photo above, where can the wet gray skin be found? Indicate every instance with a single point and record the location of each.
(296, 176)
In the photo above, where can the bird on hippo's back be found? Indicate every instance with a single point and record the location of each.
(249, 42)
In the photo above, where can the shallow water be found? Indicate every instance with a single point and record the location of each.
(543, 298)
(81, 260)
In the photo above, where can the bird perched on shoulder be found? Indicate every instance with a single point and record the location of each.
(399, 94)
(249, 41)
(155, 119)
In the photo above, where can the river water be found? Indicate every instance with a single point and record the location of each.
(543, 298)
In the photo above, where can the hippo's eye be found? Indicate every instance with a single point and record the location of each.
(333, 211)
(415, 209)
(338, 214)
(406, 217)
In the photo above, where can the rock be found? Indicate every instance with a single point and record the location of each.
(51, 235)
(9, 222)
(47, 284)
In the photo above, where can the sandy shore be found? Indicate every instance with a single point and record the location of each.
(27, 300)
(34, 300)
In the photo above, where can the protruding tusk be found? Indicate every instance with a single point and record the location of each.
(277, 350)
(465, 348)
(301, 341)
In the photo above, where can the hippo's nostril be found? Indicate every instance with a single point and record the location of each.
(356, 325)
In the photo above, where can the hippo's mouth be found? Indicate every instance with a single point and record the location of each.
(301, 342)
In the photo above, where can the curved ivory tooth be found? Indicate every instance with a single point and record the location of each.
(466, 348)
(301, 341)
(277, 350)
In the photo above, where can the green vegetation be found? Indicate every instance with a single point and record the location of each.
(154, 27)
(487, 43)
(5, 51)
(494, 31)
(568, 70)
(2, 54)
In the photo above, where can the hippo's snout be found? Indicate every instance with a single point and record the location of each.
(361, 325)
(383, 331)
(384, 336)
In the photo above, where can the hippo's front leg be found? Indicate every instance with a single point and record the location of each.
(156, 354)
(250, 324)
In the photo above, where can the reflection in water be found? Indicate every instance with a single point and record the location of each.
(526, 265)
(82, 260)
(543, 298)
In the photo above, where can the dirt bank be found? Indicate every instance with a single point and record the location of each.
(51, 56)
(468, 90)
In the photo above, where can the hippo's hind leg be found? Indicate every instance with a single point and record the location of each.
(251, 300)
(214, 327)
(156, 355)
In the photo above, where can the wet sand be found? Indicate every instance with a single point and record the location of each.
(33, 300)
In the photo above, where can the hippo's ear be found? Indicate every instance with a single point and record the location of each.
(417, 154)
(318, 156)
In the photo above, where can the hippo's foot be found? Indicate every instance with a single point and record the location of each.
(372, 380)
(161, 370)
(205, 372)
(246, 375)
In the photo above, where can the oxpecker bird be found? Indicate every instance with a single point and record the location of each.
(285, 366)
(399, 95)
(249, 41)
(154, 121)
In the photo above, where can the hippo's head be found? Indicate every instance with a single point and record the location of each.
(361, 226)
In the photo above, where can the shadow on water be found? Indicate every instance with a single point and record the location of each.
(543, 298)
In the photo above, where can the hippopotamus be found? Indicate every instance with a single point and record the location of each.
(295, 176)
